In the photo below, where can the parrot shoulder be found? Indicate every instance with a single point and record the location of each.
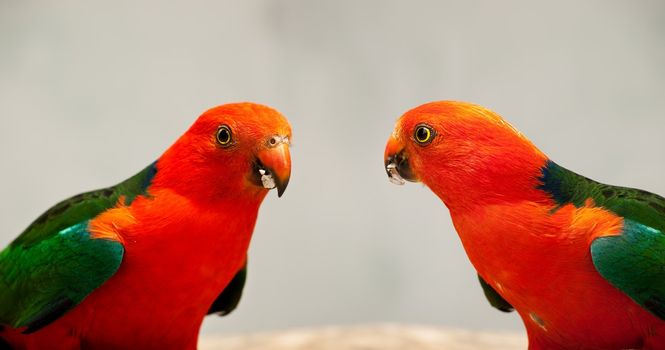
(632, 260)
(567, 187)
(84, 207)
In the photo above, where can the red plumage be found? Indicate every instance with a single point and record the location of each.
(534, 252)
(184, 240)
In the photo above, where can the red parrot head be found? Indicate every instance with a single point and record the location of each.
(463, 152)
(233, 150)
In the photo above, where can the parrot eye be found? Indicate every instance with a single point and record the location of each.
(224, 136)
(424, 134)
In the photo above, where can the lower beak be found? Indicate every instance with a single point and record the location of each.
(397, 163)
(273, 167)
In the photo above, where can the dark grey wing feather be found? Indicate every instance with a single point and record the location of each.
(229, 299)
(494, 297)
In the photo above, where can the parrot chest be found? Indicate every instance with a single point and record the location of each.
(170, 275)
(540, 262)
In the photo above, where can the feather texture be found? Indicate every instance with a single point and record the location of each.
(56, 262)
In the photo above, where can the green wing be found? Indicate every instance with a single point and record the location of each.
(495, 299)
(634, 261)
(54, 264)
(229, 299)
(39, 284)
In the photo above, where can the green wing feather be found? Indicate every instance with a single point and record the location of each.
(84, 207)
(42, 282)
(54, 264)
(634, 261)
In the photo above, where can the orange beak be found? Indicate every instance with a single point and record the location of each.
(392, 148)
(274, 167)
(396, 161)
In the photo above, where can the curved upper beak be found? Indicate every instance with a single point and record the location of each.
(274, 167)
(396, 161)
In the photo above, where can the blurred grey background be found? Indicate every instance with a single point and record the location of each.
(90, 92)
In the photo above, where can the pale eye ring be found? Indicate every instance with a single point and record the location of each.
(224, 136)
(424, 134)
(274, 140)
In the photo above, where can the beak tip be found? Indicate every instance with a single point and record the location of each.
(275, 164)
(281, 187)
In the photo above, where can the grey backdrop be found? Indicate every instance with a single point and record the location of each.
(90, 92)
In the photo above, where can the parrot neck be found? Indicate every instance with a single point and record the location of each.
(509, 177)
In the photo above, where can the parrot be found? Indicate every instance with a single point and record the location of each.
(140, 264)
(581, 262)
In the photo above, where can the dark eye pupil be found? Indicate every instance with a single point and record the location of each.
(422, 134)
(223, 136)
